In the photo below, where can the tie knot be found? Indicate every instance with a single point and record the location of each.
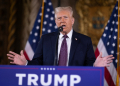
(65, 36)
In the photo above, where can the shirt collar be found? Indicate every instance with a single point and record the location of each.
(69, 34)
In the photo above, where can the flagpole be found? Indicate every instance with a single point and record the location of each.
(42, 18)
(117, 81)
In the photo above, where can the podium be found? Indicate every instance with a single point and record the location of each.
(14, 75)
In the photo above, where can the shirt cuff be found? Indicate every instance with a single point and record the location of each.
(26, 63)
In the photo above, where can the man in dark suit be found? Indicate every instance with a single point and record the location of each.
(81, 52)
(74, 49)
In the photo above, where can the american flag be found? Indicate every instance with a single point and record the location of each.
(108, 46)
(48, 27)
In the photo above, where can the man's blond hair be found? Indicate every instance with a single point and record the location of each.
(68, 8)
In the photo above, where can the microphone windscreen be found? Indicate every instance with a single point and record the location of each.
(60, 29)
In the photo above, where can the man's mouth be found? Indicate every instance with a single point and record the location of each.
(63, 26)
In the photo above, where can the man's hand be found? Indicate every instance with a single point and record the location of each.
(16, 58)
(103, 61)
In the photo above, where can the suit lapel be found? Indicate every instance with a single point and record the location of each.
(75, 42)
(53, 43)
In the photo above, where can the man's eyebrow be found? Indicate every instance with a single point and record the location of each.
(58, 17)
(65, 16)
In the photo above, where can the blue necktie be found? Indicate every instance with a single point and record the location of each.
(63, 53)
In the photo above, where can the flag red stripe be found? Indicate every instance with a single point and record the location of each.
(108, 78)
(107, 74)
(26, 56)
(96, 53)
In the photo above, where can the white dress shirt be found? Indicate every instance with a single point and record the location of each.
(68, 40)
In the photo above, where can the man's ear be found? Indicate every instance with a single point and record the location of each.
(73, 20)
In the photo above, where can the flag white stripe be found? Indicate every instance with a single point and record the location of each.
(29, 50)
(111, 69)
(105, 82)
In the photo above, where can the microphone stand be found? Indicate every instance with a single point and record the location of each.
(56, 46)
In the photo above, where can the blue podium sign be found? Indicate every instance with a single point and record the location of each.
(12, 75)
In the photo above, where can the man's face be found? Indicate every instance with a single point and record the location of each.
(64, 18)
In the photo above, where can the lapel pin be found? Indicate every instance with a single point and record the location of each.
(75, 38)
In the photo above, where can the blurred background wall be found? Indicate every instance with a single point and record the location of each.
(17, 18)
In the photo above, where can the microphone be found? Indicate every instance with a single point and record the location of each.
(60, 29)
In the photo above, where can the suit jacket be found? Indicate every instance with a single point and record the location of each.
(81, 51)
